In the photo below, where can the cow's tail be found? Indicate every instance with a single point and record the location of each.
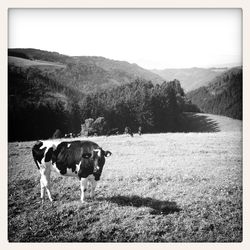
(35, 151)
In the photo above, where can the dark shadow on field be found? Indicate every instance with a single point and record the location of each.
(158, 206)
(198, 122)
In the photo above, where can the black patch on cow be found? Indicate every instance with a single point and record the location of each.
(101, 162)
(38, 153)
(86, 168)
(48, 155)
(63, 171)
(68, 154)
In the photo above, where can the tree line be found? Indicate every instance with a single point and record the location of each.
(38, 105)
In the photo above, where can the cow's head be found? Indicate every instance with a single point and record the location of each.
(99, 158)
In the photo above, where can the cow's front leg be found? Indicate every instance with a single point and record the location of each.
(83, 183)
(93, 186)
(48, 192)
(42, 190)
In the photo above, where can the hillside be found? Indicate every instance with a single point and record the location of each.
(190, 78)
(48, 91)
(222, 96)
(82, 72)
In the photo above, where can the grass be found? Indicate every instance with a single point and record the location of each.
(173, 187)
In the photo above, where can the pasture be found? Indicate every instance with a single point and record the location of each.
(172, 187)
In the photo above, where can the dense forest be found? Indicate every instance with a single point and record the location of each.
(154, 107)
(223, 96)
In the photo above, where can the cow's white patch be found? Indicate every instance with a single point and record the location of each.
(49, 144)
(98, 152)
(78, 166)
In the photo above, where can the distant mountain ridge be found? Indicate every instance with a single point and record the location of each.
(87, 73)
(84, 72)
(222, 96)
(190, 78)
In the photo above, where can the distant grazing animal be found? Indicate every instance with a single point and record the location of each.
(140, 130)
(92, 133)
(82, 159)
(57, 134)
(128, 130)
(72, 135)
(76, 135)
(114, 131)
(69, 135)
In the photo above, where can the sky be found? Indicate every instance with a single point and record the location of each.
(151, 38)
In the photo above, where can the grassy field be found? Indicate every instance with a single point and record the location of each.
(173, 187)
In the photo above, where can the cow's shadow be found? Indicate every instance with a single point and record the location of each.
(157, 206)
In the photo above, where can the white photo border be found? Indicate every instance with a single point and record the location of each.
(6, 4)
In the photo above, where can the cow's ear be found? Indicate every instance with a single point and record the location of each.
(107, 153)
(86, 155)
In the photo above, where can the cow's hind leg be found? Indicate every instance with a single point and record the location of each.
(93, 186)
(45, 181)
(45, 185)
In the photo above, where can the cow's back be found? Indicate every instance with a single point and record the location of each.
(69, 154)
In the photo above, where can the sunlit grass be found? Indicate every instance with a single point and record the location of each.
(170, 187)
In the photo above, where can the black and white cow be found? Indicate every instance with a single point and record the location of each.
(82, 159)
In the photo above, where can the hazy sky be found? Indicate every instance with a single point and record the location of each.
(153, 38)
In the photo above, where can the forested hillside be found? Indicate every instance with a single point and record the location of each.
(49, 91)
(83, 72)
(223, 96)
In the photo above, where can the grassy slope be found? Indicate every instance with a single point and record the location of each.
(157, 187)
(22, 62)
(200, 122)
